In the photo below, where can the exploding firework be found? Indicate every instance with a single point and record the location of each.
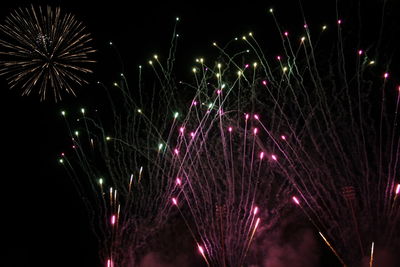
(306, 120)
(46, 50)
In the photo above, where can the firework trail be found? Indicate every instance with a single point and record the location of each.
(126, 164)
(46, 50)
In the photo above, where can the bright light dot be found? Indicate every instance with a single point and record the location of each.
(121, 74)
(324, 27)
(219, 65)
(101, 181)
(255, 131)
(192, 134)
(261, 155)
(256, 117)
(194, 70)
(155, 56)
(295, 200)
(246, 66)
(230, 129)
(178, 181)
(285, 69)
(218, 91)
(113, 219)
(139, 110)
(264, 82)
(63, 113)
(339, 21)
(250, 34)
(255, 64)
(302, 39)
(372, 62)
(150, 62)
(177, 18)
(201, 250)
(108, 138)
(76, 133)
(176, 151)
(160, 146)
(246, 116)
(274, 157)
(286, 33)
(111, 43)
(61, 161)
(239, 73)
(283, 137)
(174, 201)
(181, 129)
(255, 211)
(247, 50)
(194, 103)
(271, 10)
(360, 52)
(278, 57)
(140, 66)
(244, 37)
(223, 86)
(218, 75)
(397, 189)
(305, 26)
(115, 84)
(210, 106)
(386, 75)
(176, 114)
(214, 44)
(82, 110)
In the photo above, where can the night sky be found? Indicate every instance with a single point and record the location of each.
(44, 220)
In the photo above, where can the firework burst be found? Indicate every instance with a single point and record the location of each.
(46, 50)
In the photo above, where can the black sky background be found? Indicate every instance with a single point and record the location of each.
(44, 221)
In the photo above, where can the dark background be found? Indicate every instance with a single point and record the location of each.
(44, 222)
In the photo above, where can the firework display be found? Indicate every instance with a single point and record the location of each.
(234, 150)
(44, 50)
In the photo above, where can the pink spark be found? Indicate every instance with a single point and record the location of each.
(397, 189)
(230, 129)
(257, 223)
(62, 154)
(305, 26)
(246, 66)
(278, 57)
(339, 21)
(246, 116)
(360, 52)
(386, 75)
(283, 137)
(296, 200)
(256, 117)
(192, 134)
(181, 129)
(194, 103)
(201, 250)
(255, 211)
(218, 91)
(109, 263)
(73, 146)
(178, 181)
(113, 218)
(255, 131)
(176, 151)
(274, 157)
(286, 33)
(174, 201)
(261, 155)
(264, 83)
